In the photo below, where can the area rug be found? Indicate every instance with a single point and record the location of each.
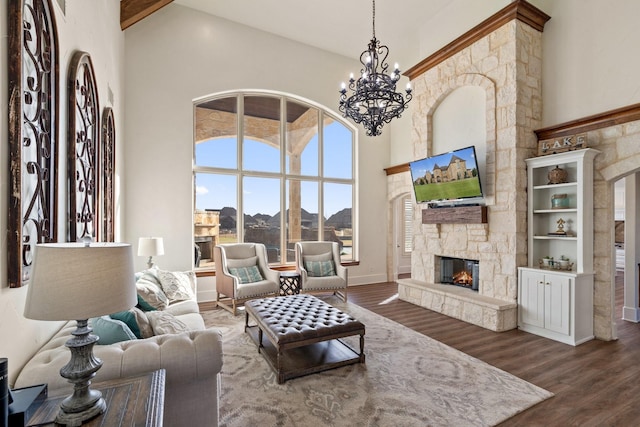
(408, 380)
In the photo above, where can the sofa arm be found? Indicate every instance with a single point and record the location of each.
(185, 357)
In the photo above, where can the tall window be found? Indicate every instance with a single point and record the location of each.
(273, 169)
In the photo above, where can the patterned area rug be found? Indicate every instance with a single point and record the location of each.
(408, 380)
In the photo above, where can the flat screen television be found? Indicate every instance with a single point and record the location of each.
(448, 177)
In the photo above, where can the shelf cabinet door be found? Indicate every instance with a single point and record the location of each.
(557, 291)
(532, 299)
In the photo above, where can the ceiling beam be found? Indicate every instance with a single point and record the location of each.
(132, 11)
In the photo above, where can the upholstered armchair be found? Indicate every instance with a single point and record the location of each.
(318, 264)
(243, 273)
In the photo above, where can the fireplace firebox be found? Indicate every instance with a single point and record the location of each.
(460, 272)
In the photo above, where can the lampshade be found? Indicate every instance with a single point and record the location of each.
(150, 246)
(72, 281)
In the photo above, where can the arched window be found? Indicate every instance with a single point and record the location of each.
(260, 154)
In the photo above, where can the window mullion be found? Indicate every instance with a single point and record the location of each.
(240, 204)
(283, 180)
(320, 176)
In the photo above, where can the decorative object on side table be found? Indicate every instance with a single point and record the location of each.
(77, 281)
(26, 401)
(150, 246)
(557, 176)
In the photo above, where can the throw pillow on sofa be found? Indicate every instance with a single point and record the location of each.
(110, 331)
(129, 319)
(165, 323)
(177, 285)
(150, 290)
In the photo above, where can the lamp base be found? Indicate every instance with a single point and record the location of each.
(84, 403)
(75, 416)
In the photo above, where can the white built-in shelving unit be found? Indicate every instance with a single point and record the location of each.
(557, 301)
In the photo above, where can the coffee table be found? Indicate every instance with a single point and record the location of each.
(303, 335)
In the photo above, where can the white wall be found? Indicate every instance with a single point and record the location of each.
(93, 27)
(179, 54)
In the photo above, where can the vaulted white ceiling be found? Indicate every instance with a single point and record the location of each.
(340, 26)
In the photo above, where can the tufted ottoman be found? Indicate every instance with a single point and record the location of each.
(303, 335)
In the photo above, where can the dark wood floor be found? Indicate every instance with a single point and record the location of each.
(595, 384)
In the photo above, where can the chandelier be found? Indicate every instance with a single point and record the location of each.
(374, 101)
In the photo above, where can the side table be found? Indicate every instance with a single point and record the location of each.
(130, 401)
(289, 283)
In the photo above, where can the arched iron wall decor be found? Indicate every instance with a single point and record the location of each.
(108, 174)
(33, 137)
(83, 150)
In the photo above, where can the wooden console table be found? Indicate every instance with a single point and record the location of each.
(133, 401)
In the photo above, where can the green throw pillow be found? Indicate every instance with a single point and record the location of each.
(320, 268)
(110, 331)
(129, 319)
(247, 274)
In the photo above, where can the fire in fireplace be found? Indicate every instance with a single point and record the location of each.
(460, 272)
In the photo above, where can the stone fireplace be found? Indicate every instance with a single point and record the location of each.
(502, 56)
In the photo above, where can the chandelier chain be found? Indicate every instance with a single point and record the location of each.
(374, 19)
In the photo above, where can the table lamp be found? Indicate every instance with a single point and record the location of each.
(150, 246)
(77, 281)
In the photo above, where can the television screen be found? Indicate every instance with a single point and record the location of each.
(447, 177)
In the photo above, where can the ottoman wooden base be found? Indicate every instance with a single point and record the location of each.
(303, 335)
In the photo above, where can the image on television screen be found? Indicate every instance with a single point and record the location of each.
(448, 176)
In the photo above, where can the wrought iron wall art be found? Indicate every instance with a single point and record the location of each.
(33, 137)
(83, 150)
(108, 174)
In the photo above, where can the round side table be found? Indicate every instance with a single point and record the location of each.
(289, 283)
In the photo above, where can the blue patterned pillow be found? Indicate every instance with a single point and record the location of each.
(247, 274)
(319, 268)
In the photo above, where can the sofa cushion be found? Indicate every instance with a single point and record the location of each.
(327, 256)
(110, 331)
(165, 323)
(247, 274)
(320, 268)
(177, 285)
(151, 292)
(241, 262)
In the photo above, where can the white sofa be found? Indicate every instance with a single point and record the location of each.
(192, 361)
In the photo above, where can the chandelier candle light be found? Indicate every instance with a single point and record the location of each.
(374, 101)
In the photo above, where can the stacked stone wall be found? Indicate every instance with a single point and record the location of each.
(506, 64)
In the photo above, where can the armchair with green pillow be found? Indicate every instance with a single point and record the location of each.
(164, 330)
(318, 264)
(243, 273)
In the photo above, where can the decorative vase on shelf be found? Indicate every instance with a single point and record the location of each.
(557, 176)
(559, 201)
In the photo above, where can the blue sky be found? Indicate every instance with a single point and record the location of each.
(261, 194)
